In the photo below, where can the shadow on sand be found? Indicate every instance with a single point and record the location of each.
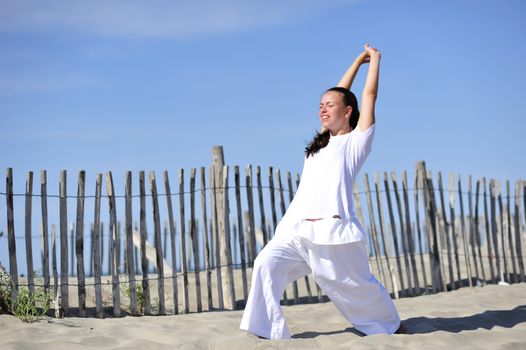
(423, 325)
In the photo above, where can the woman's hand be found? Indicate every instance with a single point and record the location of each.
(371, 53)
(363, 57)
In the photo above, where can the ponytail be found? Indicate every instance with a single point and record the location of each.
(321, 140)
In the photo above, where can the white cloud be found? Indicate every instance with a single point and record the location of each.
(154, 18)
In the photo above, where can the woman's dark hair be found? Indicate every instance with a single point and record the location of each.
(321, 140)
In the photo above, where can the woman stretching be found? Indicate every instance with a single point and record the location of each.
(320, 233)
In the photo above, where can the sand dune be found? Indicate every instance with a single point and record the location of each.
(490, 317)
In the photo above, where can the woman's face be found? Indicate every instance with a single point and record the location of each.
(334, 115)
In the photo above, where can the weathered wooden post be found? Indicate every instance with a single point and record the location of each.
(206, 243)
(393, 231)
(472, 239)
(403, 234)
(419, 231)
(453, 226)
(463, 229)
(445, 229)
(171, 225)
(237, 182)
(63, 244)
(489, 244)
(249, 217)
(79, 244)
(194, 238)
(130, 265)
(215, 234)
(113, 232)
(410, 242)
(516, 222)
(96, 248)
(509, 229)
(263, 221)
(182, 242)
(429, 200)
(29, 246)
(221, 181)
(13, 271)
(374, 232)
(158, 244)
(494, 229)
(142, 228)
(44, 229)
(382, 234)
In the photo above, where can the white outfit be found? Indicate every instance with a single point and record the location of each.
(333, 248)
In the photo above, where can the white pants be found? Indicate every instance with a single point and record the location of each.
(343, 273)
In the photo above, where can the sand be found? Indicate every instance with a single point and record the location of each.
(489, 317)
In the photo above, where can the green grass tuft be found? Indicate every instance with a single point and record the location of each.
(28, 307)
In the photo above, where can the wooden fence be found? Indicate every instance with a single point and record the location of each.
(212, 233)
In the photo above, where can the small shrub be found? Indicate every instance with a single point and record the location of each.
(28, 307)
(141, 301)
(5, 292)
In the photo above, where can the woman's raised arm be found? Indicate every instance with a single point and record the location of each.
(370, 90)
(348, 77)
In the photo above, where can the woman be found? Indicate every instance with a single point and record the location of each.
(320, 233)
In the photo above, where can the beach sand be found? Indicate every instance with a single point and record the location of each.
(489, 317)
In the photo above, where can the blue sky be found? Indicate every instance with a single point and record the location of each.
(153, 85)
(132, 85)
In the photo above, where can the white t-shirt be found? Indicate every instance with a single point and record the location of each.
(325, 191)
